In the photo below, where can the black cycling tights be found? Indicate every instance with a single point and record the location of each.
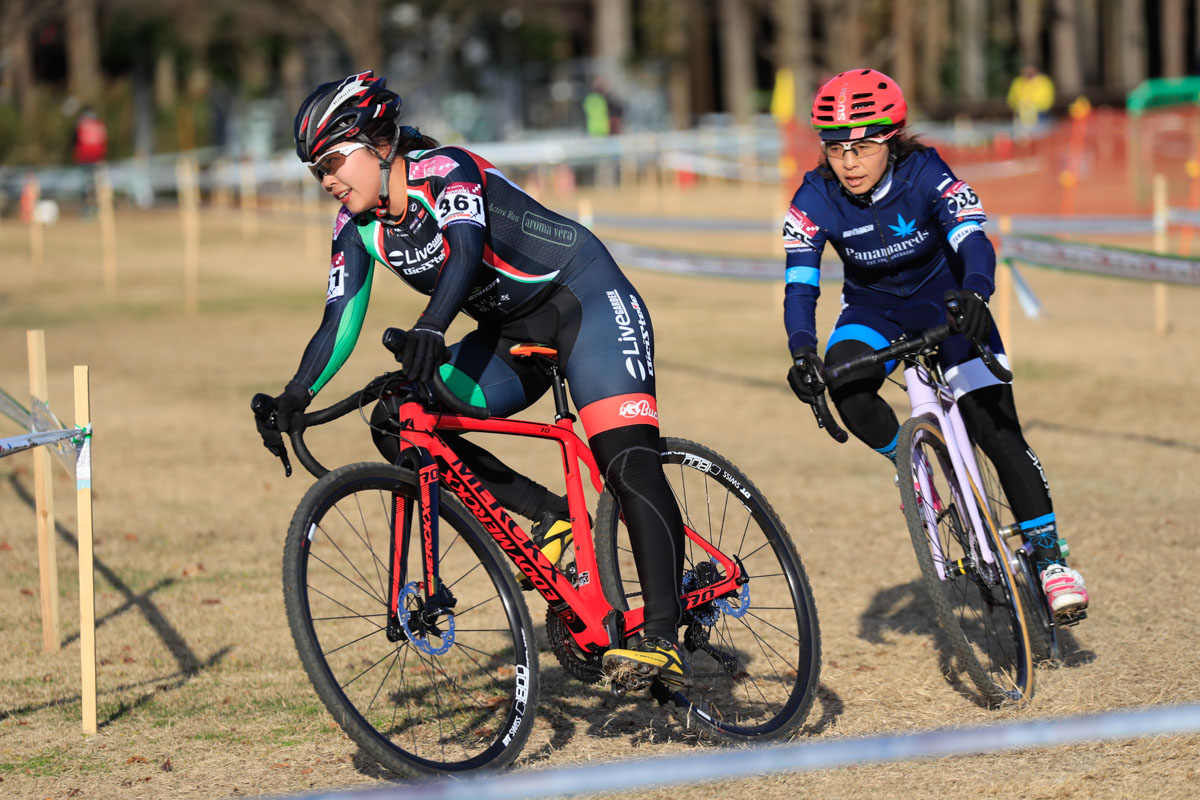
(630, 460)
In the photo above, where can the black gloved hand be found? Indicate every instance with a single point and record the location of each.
(271, 438)
(807, 375)
(973, 319)
(289, 409)
(424, 350)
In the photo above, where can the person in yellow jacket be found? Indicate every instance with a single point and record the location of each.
(1030, 97)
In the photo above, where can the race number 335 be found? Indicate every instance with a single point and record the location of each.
(461, 202)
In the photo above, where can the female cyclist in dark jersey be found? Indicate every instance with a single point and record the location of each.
(910, 236)
(453, 227)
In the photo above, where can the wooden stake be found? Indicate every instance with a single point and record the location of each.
(249, 201)
(44, 499)
(87, 587)
(185, 175)
(108, 228)
(1002, 305)
(1162, 323)
(37, 234)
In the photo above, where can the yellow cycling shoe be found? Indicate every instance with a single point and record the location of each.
(652, 657)
(552, 534)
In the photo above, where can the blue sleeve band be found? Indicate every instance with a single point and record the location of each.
(810, 276)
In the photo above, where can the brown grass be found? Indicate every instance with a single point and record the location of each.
(201, 693)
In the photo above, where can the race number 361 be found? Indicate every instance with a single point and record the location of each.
(461, 202)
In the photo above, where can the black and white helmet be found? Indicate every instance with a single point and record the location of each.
(339, 111)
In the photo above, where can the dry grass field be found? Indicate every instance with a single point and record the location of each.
(202, 695)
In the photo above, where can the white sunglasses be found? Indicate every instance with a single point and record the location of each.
(333, 159)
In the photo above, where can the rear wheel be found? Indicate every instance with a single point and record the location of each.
(969, 578)
(755, 654)
(447, 687)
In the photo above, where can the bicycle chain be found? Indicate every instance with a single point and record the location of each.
(582, 666)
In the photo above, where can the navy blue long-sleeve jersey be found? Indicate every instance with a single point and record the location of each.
(921, 227)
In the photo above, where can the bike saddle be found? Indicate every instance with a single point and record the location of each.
(533, 349)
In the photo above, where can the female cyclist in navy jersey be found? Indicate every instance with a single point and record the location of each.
(910, 236)
(453, 227)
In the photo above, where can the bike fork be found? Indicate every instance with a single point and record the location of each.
(435, 598)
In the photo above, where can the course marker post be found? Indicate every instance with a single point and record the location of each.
(44, 499)
(37, 231)
(189, 202)
(108, 228)
(1002, 310)
(87, 586)
(249, 200)
(1161, 322)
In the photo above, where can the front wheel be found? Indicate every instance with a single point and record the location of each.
(446, 686)
(966, 571)
(755, 655)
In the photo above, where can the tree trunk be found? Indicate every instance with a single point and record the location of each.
(933, 46)
(1174, 38)
(18, 77)
(844, 42)
(793, 48)
(903, 69)
(972, 20)
(83, 51)
(737, 59)
(1029, 32)
(1131, 53)
(1065, 72)
(700, 66)
(676, 45)
(613, 37)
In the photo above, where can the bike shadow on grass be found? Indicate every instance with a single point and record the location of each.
(906, 609)
(188, 663)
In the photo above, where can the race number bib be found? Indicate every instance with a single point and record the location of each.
(337, 277)
(461, 202)
(962, 201)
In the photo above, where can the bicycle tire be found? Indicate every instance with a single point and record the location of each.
(760, 679)
(1043, 633)
(457, 695)
(977, 605)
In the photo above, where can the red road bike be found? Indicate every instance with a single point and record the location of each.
(419, 642)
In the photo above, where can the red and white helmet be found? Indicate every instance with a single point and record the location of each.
(339, 111)
(856, 104)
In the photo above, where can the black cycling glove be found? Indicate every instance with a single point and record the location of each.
(973, 319)
(289, 408)
(424, 350)
(807, 375)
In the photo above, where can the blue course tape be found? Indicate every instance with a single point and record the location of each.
(722, 764)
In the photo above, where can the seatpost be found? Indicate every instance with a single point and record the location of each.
(561, 409)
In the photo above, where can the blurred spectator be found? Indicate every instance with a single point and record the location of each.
(89, 147)
(89, 140)
(1030, 97)
(602, 113)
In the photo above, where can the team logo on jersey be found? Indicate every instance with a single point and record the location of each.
(343, 217)
(337, 277)
(962, 201)
(903, 227)
(438, 165)
(798, 231)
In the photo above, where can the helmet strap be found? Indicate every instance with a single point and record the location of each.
(385, 174)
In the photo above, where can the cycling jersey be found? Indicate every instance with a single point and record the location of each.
(916, 234)
(474, 241)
